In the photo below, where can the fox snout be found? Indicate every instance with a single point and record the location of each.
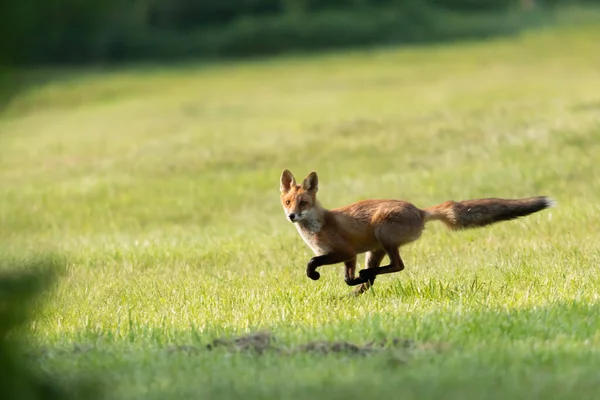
(292, 217)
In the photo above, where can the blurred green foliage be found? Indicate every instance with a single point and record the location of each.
(22, 285)
(77, 31)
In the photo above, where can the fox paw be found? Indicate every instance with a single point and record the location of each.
(314, 275)
(353, 281)
(366, 275)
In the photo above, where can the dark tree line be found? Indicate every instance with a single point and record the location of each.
(76, 31)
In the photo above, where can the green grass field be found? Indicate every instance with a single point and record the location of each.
(160, 186)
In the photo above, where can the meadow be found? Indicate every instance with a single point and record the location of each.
(160, 188)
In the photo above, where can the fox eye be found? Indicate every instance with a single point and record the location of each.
(302, 203)
(287, 202)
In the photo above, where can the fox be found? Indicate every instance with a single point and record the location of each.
(380, 227)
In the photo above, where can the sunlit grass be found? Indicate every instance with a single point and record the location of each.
(161, 189)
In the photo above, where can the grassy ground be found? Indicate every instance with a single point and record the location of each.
(161, 188)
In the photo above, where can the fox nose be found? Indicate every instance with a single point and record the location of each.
(292, 216)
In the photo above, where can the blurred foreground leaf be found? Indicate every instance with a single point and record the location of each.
(22, 285)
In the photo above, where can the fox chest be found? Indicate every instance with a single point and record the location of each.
(312, 239)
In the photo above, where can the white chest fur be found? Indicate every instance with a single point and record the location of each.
(309, 231)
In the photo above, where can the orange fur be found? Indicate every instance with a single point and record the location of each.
(381, 227)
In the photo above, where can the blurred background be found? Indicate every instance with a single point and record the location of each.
(75, 31)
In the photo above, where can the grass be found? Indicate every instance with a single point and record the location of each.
(160, 187)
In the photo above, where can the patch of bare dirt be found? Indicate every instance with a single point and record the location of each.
(53, 352)
(262, 342)
(258, 342)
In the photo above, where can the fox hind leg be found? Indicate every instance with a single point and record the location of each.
(391, 237)
(396, 265)
(374, 258)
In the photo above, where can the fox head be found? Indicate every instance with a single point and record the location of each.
(298, 201)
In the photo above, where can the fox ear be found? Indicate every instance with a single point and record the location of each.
(311, 182)
(287, 181)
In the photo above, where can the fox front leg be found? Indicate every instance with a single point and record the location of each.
(373, 260)
(326, 259)
(350, 276)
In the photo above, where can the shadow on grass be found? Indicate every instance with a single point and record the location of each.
(22, 286)
(14, 82)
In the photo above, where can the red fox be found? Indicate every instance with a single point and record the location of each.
(381, 227)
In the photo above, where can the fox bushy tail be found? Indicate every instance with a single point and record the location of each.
(481, 212)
